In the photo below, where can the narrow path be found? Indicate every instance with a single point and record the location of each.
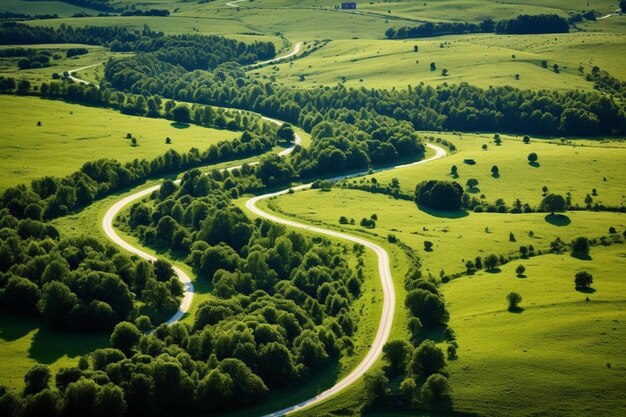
(78, 80)
(296, 49)
(384, 270)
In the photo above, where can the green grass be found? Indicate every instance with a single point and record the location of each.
(556, 351)
(72, 134)
(96, 55)
(481, 60)
(455, 239)
(42, 7)
(25, 342)
(578, 166)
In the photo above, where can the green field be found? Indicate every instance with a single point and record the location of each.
(576, 166)
(566, 354)
(481, 60)
(96, 55)
(455, 240)
(25, 342)
(71, 135)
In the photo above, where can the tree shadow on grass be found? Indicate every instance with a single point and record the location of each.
(516, 310)
(473, 190)
(559, 220)
(495, 175)
(493, 270)
(534, 164)
(444, 214)
(521, 276)
(582, 256)
(49, 345)
(13, 327)
(179, 125)
(586, 290)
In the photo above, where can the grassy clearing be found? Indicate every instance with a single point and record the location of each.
(557, 351)
(578, 166)
(25, 342)
(455, 239)
(482, 60)
(71, 134)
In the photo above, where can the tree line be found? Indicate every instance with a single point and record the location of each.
(522, 24)
(48, 197)
(191, 51)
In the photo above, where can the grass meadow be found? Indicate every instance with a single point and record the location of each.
(567, 354)
(71, 135)
(481, 60)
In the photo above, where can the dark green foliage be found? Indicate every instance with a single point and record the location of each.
(427, 307)
(554, 203)
(580, 247)
(125, 336)
(36, 379)
(525, 24)
(583, 279)
(436, 391)
(376, 387)
(532, 157)
(397, 353)
(427, 359)
(440, 195)
(513, 299)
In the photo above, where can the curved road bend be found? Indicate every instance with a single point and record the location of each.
(78, 80)
(384, 270)
(109, 230)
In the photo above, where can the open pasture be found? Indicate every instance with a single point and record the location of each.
(567, 354)
(576, 166)
(456, 239)
(71, 135)
(387, 64)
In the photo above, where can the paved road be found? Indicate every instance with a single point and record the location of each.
(109, 230)
(384, 270)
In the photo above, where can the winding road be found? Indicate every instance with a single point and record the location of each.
(384, 270)
(78, 80)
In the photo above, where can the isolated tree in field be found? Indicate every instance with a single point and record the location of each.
(433, 67)
(513, 299)
(454, 171)
(181, 113)
(125, 336)
(168, 140)
(554, 203)
(484, 147)
(444, 72)
(580, 247)
(428, 246)
(556, 69)
(491, 262)
(526, 139)
(427, 359)
(495, 171)
(397, 353)
(583, 279)
(415, 48)
(532, 157)
(497, 140)
(472, 183)
(286, 133)
(520, 270)
(440, 195)
(36, 379)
